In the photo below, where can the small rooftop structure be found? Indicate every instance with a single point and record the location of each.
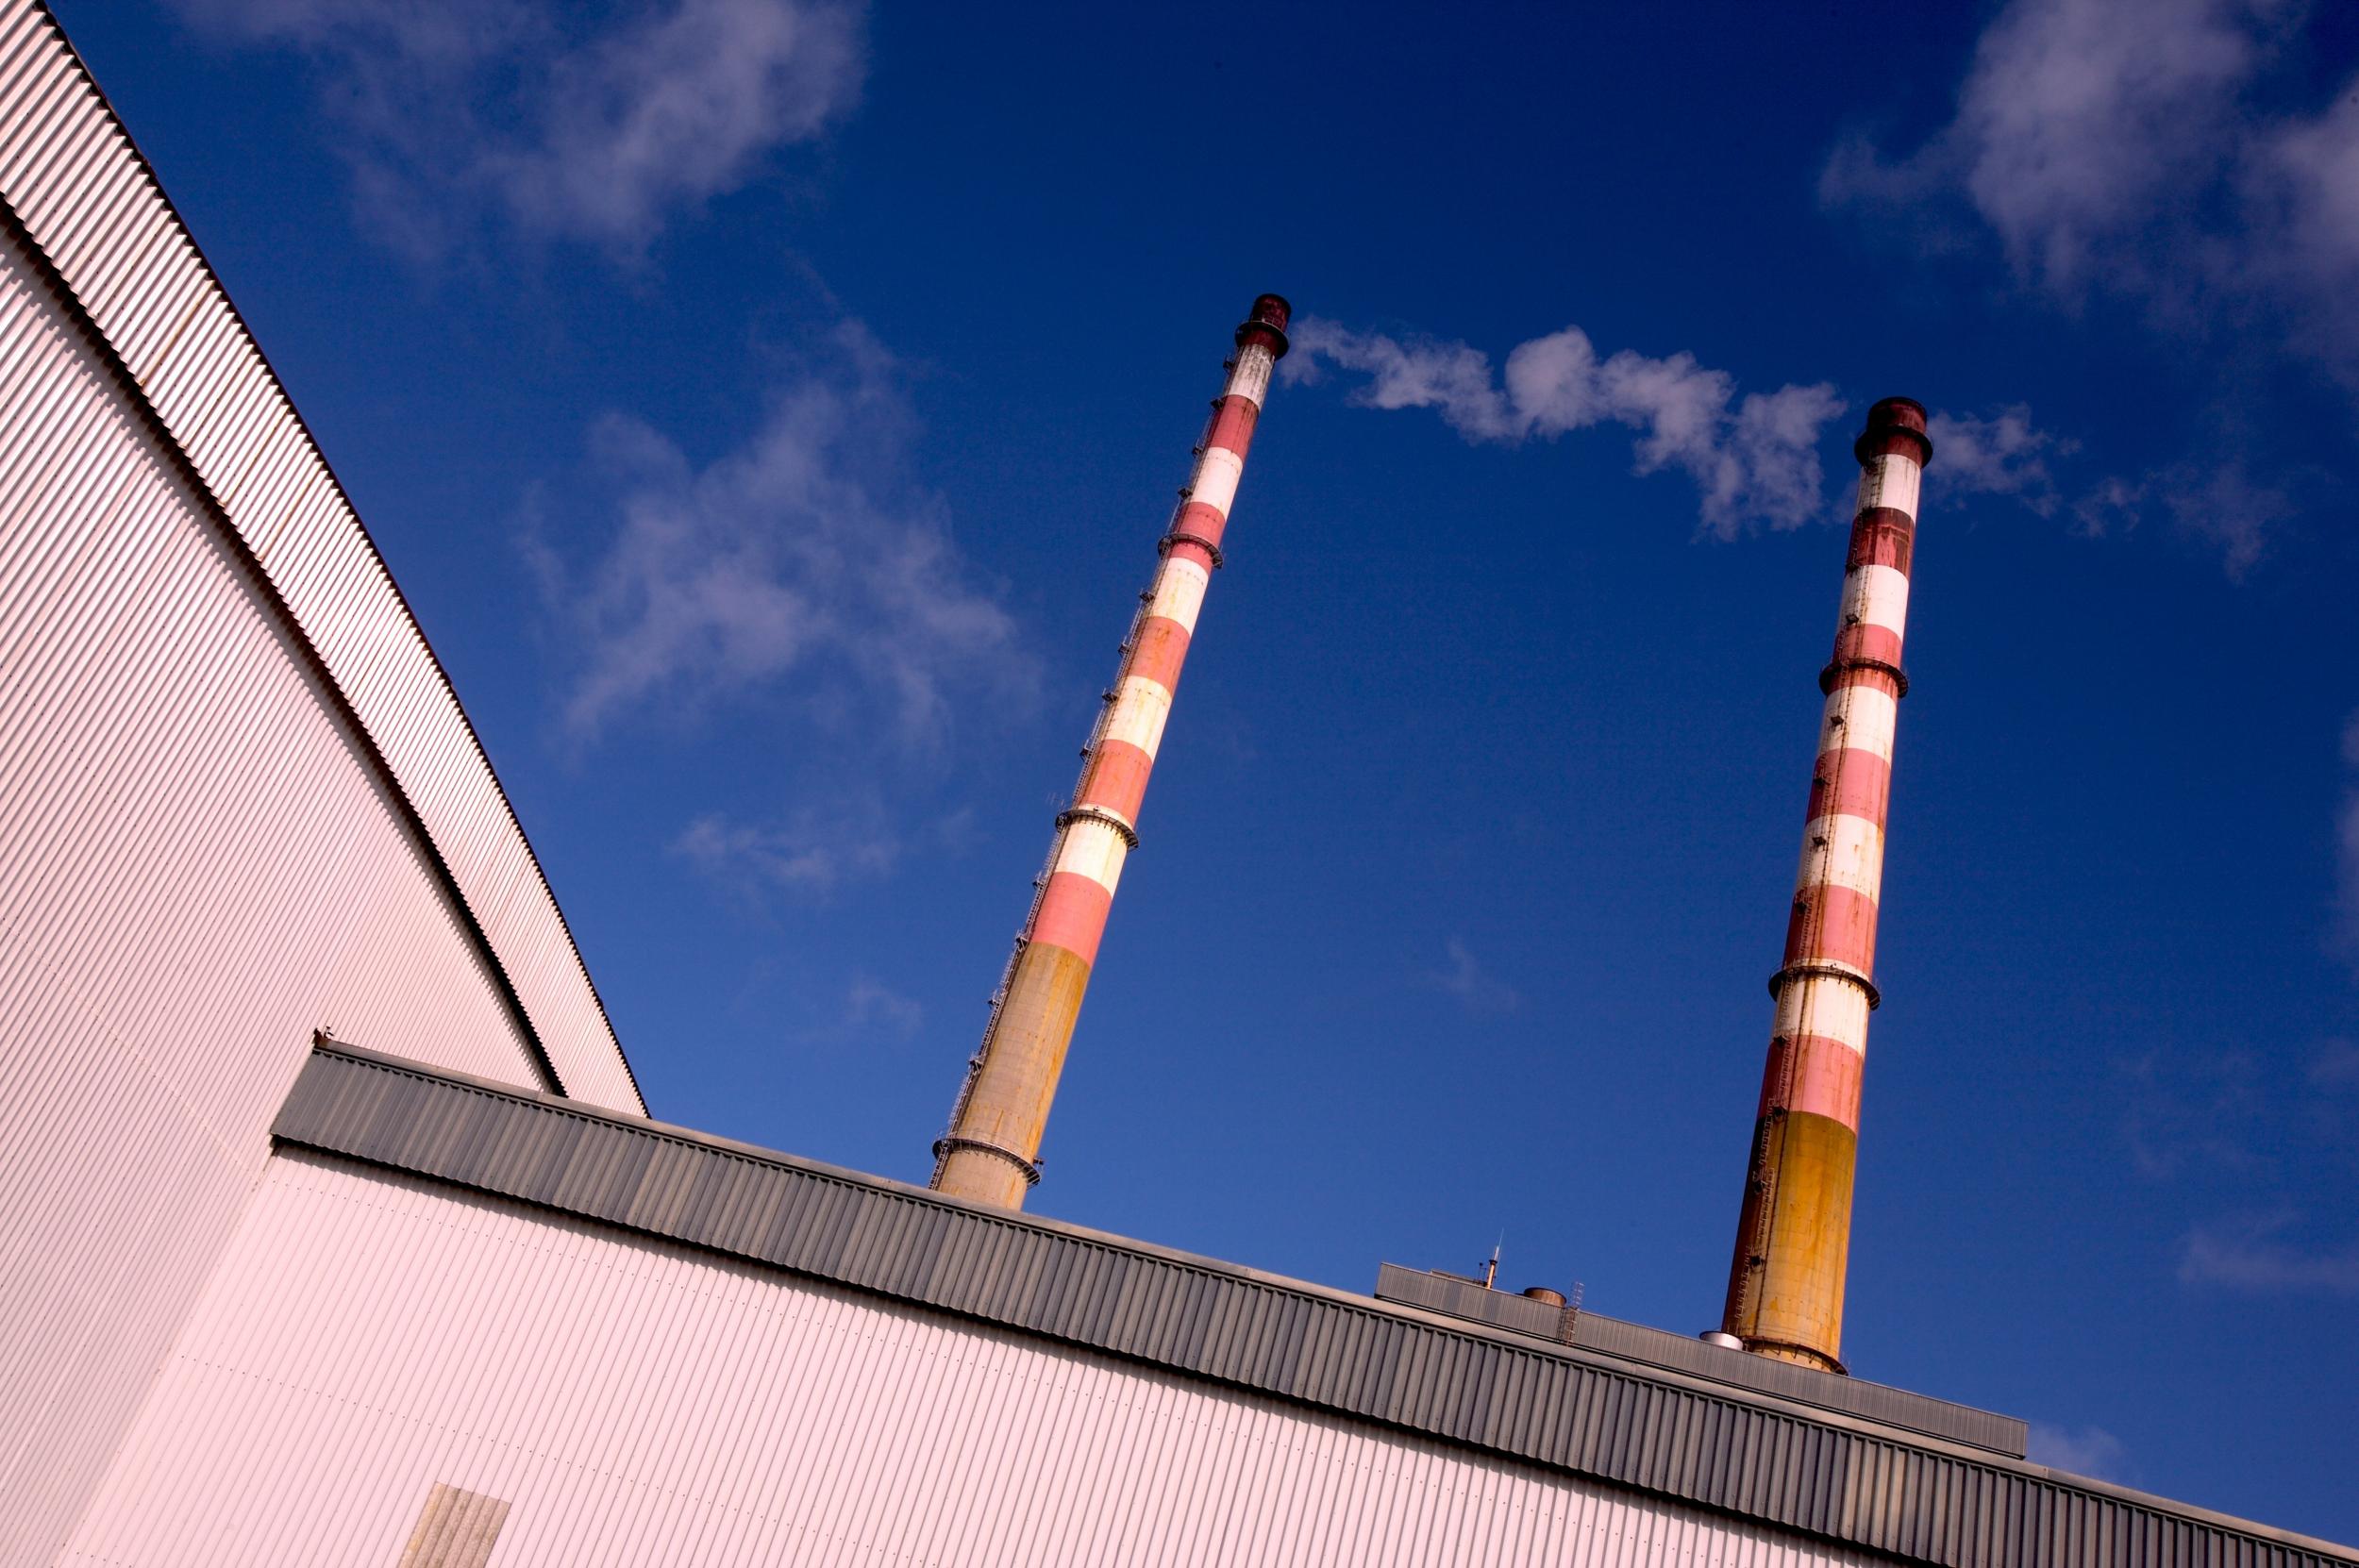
(1461, 1297)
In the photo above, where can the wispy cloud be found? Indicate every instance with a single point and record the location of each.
(2003, 454)
(814, 857)
(819, 849)
(596, 129)
(2082, 1450)
(2076, 139)
(2262, 1255)
(801, 554)
(870, 1006)
(2207, 1113)
(2344, 932)
(2171, 165)
(1477, 991)
(2334, 1070)
(1754, 459)
(2255, 1140)
(2219, 510)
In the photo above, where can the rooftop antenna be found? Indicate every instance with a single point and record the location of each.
(1491, 1268)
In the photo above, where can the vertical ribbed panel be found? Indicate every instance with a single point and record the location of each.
(72, 174)
(457, 1528)
(370, 1336)
(197, 869)
(1732, 1445)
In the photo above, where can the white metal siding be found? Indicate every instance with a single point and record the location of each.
(72, 175)
(370, 1336)
(197, 868)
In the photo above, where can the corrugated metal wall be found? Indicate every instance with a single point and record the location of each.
(238, 799)
(196, 868)
(1718, 1445)
(87, 197)
(370, 1337)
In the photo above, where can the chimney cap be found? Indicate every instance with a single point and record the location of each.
(1267, 320)
(1895, 425)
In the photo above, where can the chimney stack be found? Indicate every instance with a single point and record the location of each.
(990, 1154)
(1792, 1238)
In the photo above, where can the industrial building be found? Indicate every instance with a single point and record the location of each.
(336, 1231)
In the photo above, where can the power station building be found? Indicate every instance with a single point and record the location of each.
(333, 1230)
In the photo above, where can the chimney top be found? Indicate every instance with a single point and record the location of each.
(1895, 425)
(1268, 321)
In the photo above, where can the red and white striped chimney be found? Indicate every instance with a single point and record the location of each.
(1792, 1238)
(992, 1148)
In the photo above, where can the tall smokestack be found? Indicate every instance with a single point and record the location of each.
(989, 1153)
(1794, 1236)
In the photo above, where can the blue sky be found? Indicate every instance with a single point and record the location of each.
(769, 409)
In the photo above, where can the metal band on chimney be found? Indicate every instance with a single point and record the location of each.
(1793, 972)
(946, 1145)
(1793, 1240)
(991, 1152)
(1165, 546)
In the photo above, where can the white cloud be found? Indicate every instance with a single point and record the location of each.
(2346, 927)
(676, 109)
(2140, 162)
(448, 106)
(2180, 165)
(2335, 1068)
(2083, 1451)
(2207, 1113)
(1420, 373)
(813, 857)
(2253, 1256)
(2219, 510)
(2001, 454)
(2079, 131)
(799, 555)
(819, 848)
(1477, 991)
(2317, 162)
(871, 1006)
(1753, 461)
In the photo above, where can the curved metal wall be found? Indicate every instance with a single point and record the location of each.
(238, 799)
(197, 869)
(88, 199)
(370, 1337)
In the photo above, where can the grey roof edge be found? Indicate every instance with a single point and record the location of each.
(1446, 1322)
(1804, 1468)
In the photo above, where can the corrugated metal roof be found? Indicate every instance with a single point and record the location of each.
(1741, 1451)
(1468, 1298)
